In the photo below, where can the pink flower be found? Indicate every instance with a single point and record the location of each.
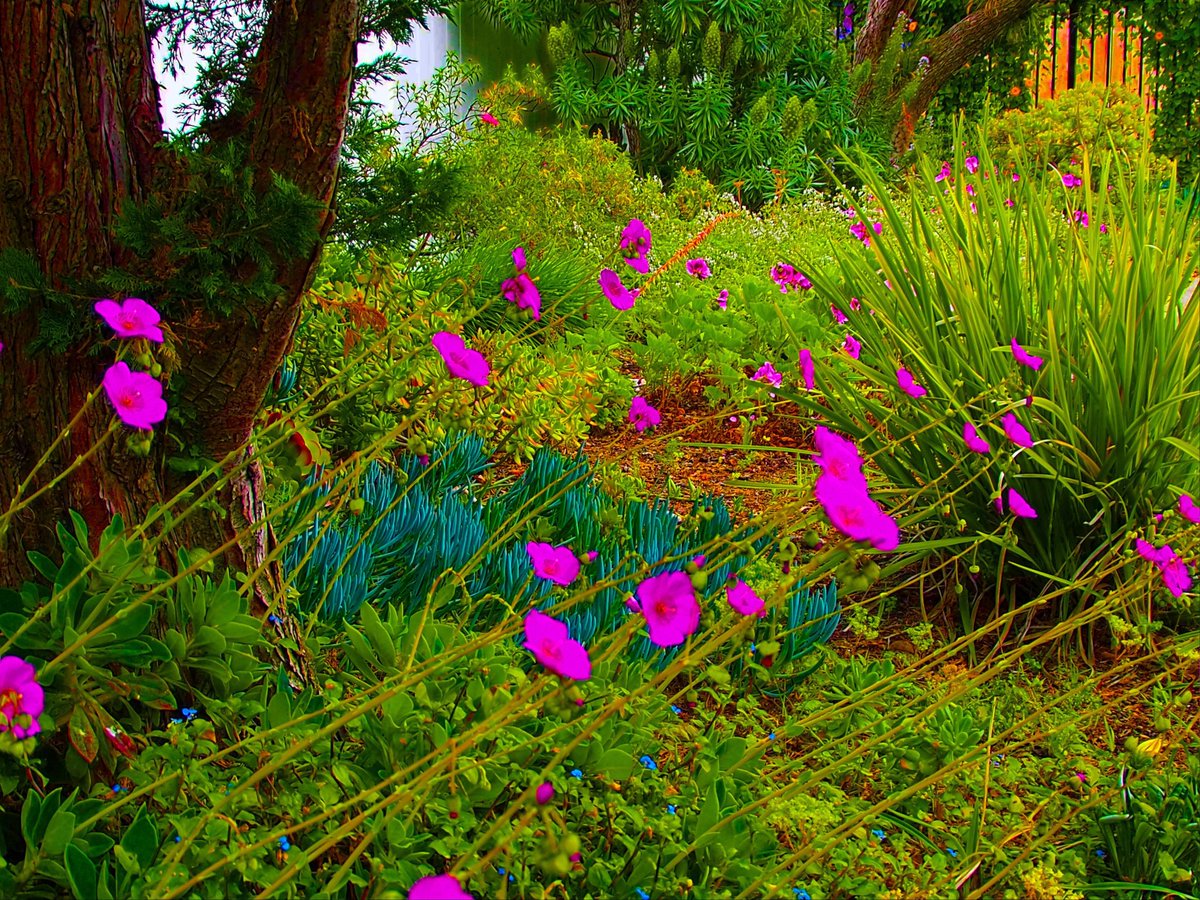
(723, 299)
(438, 887)
(838, 315)
(136, 396)
(1148, 551)
(698, 268)
(1015, 431)
(132, 318)
(522, 291)
(972, 164)
(643, 415)
(489, 119)
(616, 292)
(670, 606)
(550, 643)
(20, 696)
(860, 231)
(852, 512)
(518, 256)
(462, 362)
(635, 244)
(766, 372)
(1081, 217)
(1071, 180)
(974, 442)
(855, 304)
(1016, 177)
(1176, 576)
(1008, 201)
(971, 191)
(1024, 357)
(743, 599)
(557, 564)
(944, 173)
(1188, 509)
(545, 793)
(1019, 506)
(908, 384)
(788, 277)
(852, 346)
(1103, 228)
(838, 458)
(806, 368)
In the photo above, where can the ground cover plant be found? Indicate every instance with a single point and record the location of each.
(420, 626)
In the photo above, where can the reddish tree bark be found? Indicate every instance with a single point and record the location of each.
(80, 129)
(948, 52)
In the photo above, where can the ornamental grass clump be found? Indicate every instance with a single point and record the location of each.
(1052, 369)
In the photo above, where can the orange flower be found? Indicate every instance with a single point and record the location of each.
(1158, 35)
(912, 26)
(1015, 91)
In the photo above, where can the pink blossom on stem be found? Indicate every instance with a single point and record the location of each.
(488, 119)
(1019, 506)
(806, 368)
(1024, 357)
(438, 887)
(643, 415)
(522, 291)
(136, 396)
(723, 299)
(698, 268)
(838, 316)
(852, 346)
(635, 245)
(544, 793)
(21, 698)
(1015, 431)
(461, 361)
(550, 643)
(975, 443)
(767, 372)
(669, 603)
(1188, 509)
(972, 164)
(743, 599)
(518, 256)
(616, 292)
(1071, 180)
(131, 318)
(908, 384)
(557, 564)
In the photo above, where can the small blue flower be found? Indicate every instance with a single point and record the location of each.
(771, 736)
(671, 809)
(1100, 854)
(675, 709)
(284, 844)
(178, 839)
(177, 721)
(189, 713)
(274, 619)
(879, 833)
(753, 647)
(116, 789)
(642, 895)
(576, 773)
(953, 853)
(648, 762)
(801, 894)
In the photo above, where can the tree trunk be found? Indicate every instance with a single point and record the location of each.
(947, 53)
(80, 129)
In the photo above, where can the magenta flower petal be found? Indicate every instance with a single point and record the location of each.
(1188, 509)
(743, 599)
(669, 603)
(616, 292)
(557, 564)
(643, 415)
(974, 442)
(807, 370)
(20, 696)
(522, 291)
(132, 318)
(544, 793)
(767, 372)
(972, 164)
(462, 362)
(838, 458)
(1016, 431)
(635, 245)
(908, 384)
(136, 396)
(838, 316)
(1019, 506)
(1024, 357)
(489, 119)
(518, 256)
(1176, 576)
(698, 268)
(852, 346)
(550, 643)
(438, 887)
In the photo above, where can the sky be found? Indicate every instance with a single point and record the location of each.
(427, 51)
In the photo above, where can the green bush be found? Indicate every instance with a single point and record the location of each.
(1089, 278)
